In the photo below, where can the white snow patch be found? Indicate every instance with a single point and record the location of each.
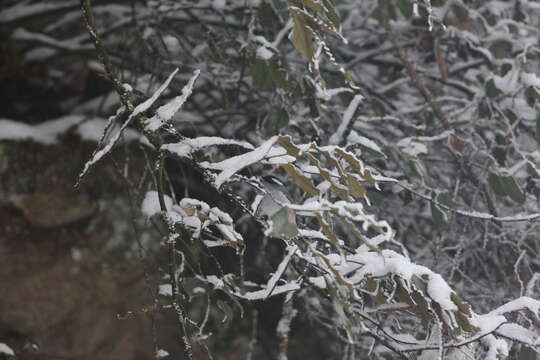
(347, 117)
(165, 289)
(185, 147)
(150, 204)
(44, 133)
(232, 165)
(412, 147)
(219, 4)
(138, 110)
(4, 349)
(167, 111)
(530, 79)
(162, 353)
(355, 138)
(264, 53)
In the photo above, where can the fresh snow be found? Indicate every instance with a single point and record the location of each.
(161, 353)
(530, 79)
(346, 120)
(186, 147)
(165, 289)
(261, 294)
(355, 138)
(23, 10)
(138, 110)
(166, 112)
(150, 205)
(264, 53)
(412, 147)
(4, 349)
(280, 270)
(44, 133)
(74, 44)
(233, 165)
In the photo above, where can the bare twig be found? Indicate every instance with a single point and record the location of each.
(413, 74)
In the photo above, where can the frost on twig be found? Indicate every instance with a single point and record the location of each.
(284, 328)
(104, 149)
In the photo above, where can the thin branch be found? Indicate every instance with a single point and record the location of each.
(413, 74)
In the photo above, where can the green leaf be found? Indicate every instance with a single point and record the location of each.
(513, 190)
(279, 120)
(499, 153)
(506, 186)
(279, 76)
(415, 169)
(301, 37)
(332, 14)
(376, 197)
(484, 110)
(446, 199)
(384, 12)
(215, 50)
(438, 215)
(526, 353)
(501, 49)
(284, 224)
(491, 89)
(266, 16)
(405, 7)
(531, 96)
(496, 184)
(262, 74)
(461, 12)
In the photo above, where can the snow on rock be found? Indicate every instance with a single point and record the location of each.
(44, 133)
(4, 349)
